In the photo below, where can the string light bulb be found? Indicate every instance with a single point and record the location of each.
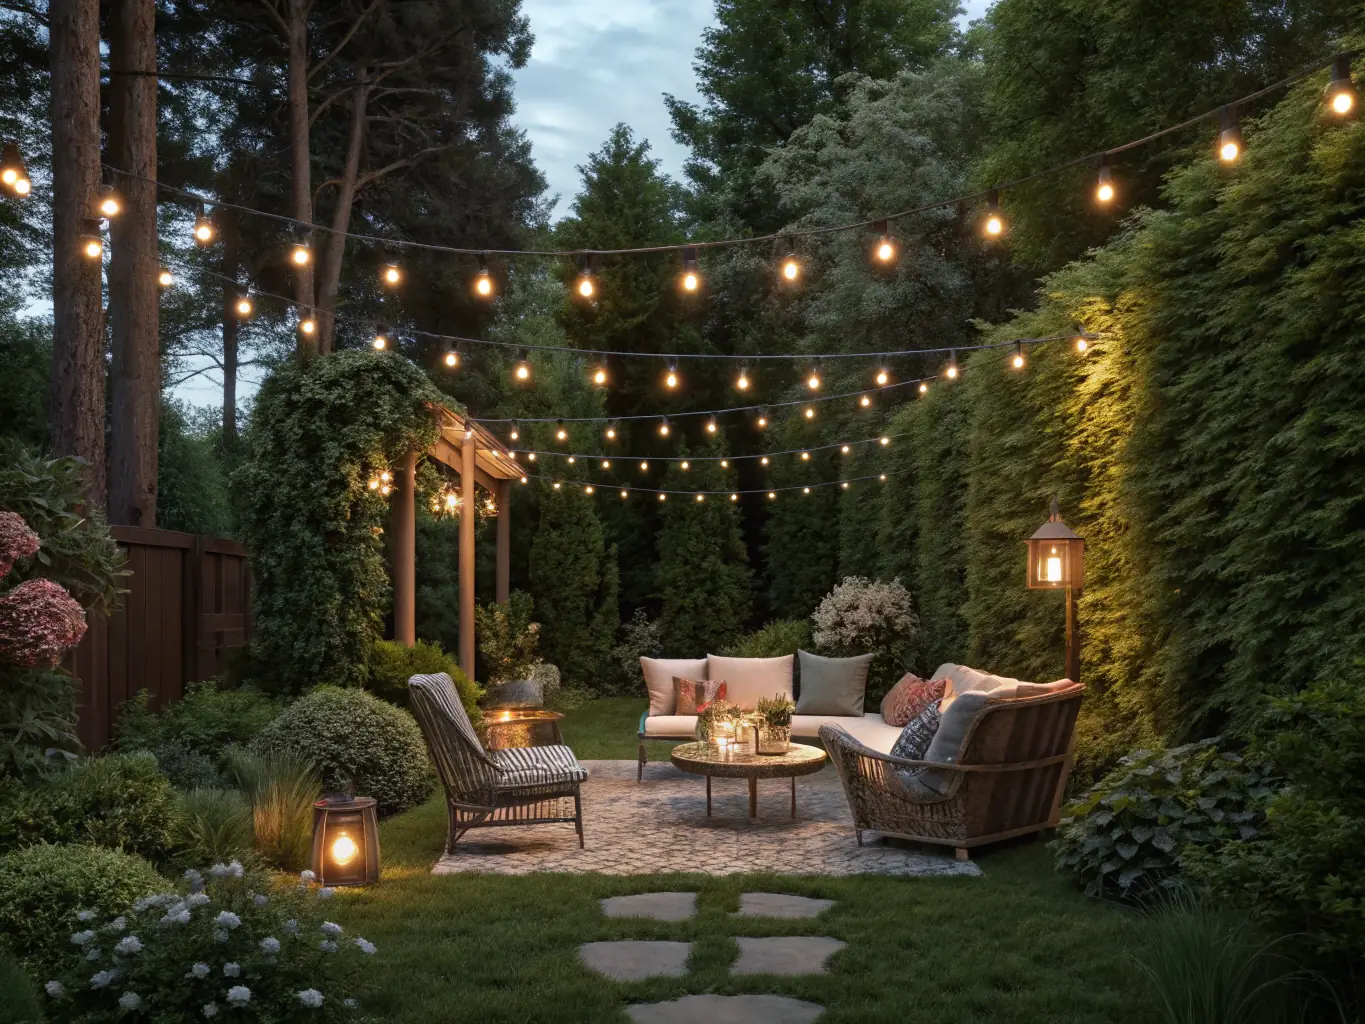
(691, 276)
(644, 466)
(483, 280)
(810, 412)
(515, 435)
(585, 286)
(671, 377)
(951, 370)
(107, 203)
(772, 495)
(883, 377)
(92, 245)
(1104, 187)
(995, 220)
(308, 326)
(611, 431)
(884, 441)
(452, 358)
(742, 381)
(1341, 91)
(587, 489)
(923, 388)
(844, 449)
(1082, 345)
(13, 174)
(561, 434)
(724, 463)
(624, 493)
(572, 460)
(805, 490)
(684, 465)
(662, 496)
(301, 255)
(763, 419)
(805, 456)
(734, 497)
(711, 425)
(664, 428)
(165, 278)
(1230, 138)
(813, 378)
(701, 497)
(522, 370)
(391, 275)
(1018, 360)
(885, 250)
(599, 375)
(763, 461)
(203, 227)
(791, 268)
(243, 304)
(381, 338)
(865, 401)
(606, 463)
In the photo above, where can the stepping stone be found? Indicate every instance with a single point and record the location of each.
(661, 906)
(726, 1010)
(634, 960)
(780, 904)
(791, 954)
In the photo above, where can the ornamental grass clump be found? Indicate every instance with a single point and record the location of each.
(227, 943)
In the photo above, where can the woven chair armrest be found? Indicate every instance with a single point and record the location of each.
(945, 766)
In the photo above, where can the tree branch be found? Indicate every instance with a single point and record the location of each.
(398, 165)
(276, 17)
(18, 7)
(350, 33)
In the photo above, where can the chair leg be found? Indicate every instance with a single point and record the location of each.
(962, 853)
(578, 815)
(640, 763)
(859, 833)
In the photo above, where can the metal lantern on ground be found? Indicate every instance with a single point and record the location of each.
(1056, 561)
(345, 840)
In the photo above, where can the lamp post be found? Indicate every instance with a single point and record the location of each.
(1056, 561)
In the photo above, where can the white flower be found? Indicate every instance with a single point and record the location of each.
(330, 928)
(227, 919)
(349, 1002)
(232, 970)
(178, 914)
(129, 945)
(219, 871)
(260, 899)
(117, 924)
(55, 989)
(311, 998)
(197, 899)
(326, 892)
(307, 876)
(85, 915)
(101, 979)
(160, 899)
(327, 946)
(239, 995)
(192, 876)
(291, 926)
(210, 1010)
(365, 946)
(235, 868)
(200, 970)
(93, 953)
(130, 1001)
(82, 938)
(270, 945)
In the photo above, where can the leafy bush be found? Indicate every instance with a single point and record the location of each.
(211, 825)
(508, 638)
(231, 945)
(354, 737)
(779, 637)
(43, 886)
(204, 722)
(121, 801)
(392, 664)
(281, 788)
(1129, 834)
(640, 638)
(21, 1003)
(861, 616)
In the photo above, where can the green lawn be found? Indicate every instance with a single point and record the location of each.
(1019, 945)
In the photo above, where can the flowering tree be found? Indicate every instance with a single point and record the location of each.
(39, 622)
(230, 944)
(860, 616)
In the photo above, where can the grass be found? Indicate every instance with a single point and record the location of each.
(1019, 945)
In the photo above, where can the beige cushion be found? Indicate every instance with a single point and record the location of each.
(748, 679)
(673, 727)
(962, 679)
(869, 730)
(659, 673)
(1042, 689)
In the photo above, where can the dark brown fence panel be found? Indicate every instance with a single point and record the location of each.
(188, 606)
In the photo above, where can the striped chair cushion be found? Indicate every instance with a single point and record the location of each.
(536, 766)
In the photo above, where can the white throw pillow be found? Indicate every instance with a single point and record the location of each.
(659, 673)
(748, 679)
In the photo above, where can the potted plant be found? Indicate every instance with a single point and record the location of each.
(508, 639)
(716, 719)
(775, 723)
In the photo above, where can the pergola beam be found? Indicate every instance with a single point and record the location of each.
(467, 517)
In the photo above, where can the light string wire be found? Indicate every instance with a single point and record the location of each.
(613, 456)
(723, 243)
(879, 477)
(680, 356)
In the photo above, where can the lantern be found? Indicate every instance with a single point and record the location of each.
(1056, 561)
(345, 840)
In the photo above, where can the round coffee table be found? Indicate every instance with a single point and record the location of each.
(705, 759)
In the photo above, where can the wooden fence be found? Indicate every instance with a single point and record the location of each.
(188, 608)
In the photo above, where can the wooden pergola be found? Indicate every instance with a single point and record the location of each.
(476, 457)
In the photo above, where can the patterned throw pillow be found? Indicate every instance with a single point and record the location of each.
(692, 695)
(909, 697)
(918, 733)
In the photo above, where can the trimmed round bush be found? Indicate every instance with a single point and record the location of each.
(44, 886)
(352, 735)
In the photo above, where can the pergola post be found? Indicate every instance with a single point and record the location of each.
(403, 550)
(504, 499)
(467, 517)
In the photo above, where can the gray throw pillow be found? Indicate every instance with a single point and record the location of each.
(832, 686)
(946, 746)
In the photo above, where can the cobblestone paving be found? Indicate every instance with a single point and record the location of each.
(660, 825)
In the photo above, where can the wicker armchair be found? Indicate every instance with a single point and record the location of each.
(1009, 781)
(485, 789)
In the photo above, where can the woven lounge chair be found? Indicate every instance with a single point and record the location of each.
(486, 789)
(1008, 782)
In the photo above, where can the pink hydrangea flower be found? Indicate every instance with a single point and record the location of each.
(39, 622)
(16, 541)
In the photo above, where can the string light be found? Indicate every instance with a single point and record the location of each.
(885, 249)
(882, 478)
(1230, 138)
(691, 277)
(1081, 345)
(611, 431)
(762, 420)
(844, 485)
(810, 412)
(1104, 188)
(452, 358)
(1018, 360)
(522, 371)
(711, 425)
(813, 378)
(585, 286)
(624, 493)
(684, 465)
(556, 485)
(995, 220)
(805, 456)
(883, 376)
(724, 463)
(951, 371)
(483, 280)
(243, 306)
(883, 441)
(302, 254)
(560, 433)
(572, 460)
(671, 378)
(805, 490)
(381, 338)
(203, 227)
(701, 497)
(587, 489)
(606, 463)
(308, 325)
(599, 375)
(663, 497)
(844, 449)
(1341, 91)
(165, 278)
(391, 275)
(734, 497)
(106, 202)
(531, 457)
(664, 428)
(923, 388)
(772, 495)
(742, 381)
(516, 433)
(92, 245)
(865, 401)
(791, 268)
(13, 174)
(763, 461)
(523, 480)
(644, 466)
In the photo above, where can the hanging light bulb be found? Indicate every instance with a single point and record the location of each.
(763, 461)
(523, 479)
(107, 203)
(762, 419)
(203, 227)
(662, 496)
(1081, 345)
(995, 220)
(165, 278)
(844, 485)
(671, 378)
(606, 463)
(1018, 360)
(1341, 91)
(805, 490)
(664, 428)
(724, 463)
(951, 370)
(742, 381)
(772, 495)
(882, 478)
(611, 431)
(884, 252)
(810, 412)
(92, 245)
(923, 388)
(515, 435)
(644, 466)
(1230, 138)
(599, 375)
(391, 275)
(302, 254)
(452, 357)
(587, 488)
(556, 485)
(1104, 188)
(844, 449)
(483, 280)
(522, 371)
(561, 434)
(711, 425)
(691, 276)
(243, 305)
(624, 493)
(791, 268)
(13, 175)
(684, 465)
(884, 441)
(865, 401)
(813, 378)
(734, 497)
(452, 502)
(805, 456)
(585, 286)
(883, 377)
(701, 497)
(572, 460)
(308, 326)
(381, 338)
(530, 456)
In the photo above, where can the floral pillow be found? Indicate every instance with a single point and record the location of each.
(692, 695)
(909, 697)
(918, 733)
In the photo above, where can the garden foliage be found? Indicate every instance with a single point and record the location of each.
(508, 638)
(318, 432)
(211, 825)
(392, 664)
(281, 787)
(641, 637)
(352, 738)
(776, 638)
(861, 616)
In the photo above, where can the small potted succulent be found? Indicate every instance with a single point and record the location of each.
(775, 723)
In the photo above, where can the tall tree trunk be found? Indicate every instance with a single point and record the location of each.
(329, 264)
(77, 319)
(231, 327)
(135, 370)
(301, 179)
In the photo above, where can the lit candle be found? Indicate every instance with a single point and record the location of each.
(723, 747)
(1054, 567)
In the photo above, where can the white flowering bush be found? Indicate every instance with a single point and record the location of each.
(863, 616)
(230, 943)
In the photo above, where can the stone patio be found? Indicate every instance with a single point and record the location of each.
(660, 825)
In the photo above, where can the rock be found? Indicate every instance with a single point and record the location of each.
(790, 954)
(726, 1010)
(780, 904)
(660, 906)
(634, 960)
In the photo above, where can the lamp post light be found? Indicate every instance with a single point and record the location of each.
(1056, 561)
(345, 840)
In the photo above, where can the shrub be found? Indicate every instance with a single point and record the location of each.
(42, 887)
(779, 637)
(392, 664)
(211, 825)
(121, 801)
(233, 945)
(21, 1002)
(354, 737)
(508, 638)
(861, 616)
(640, 638)
(281, 788)
(1129, 834)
